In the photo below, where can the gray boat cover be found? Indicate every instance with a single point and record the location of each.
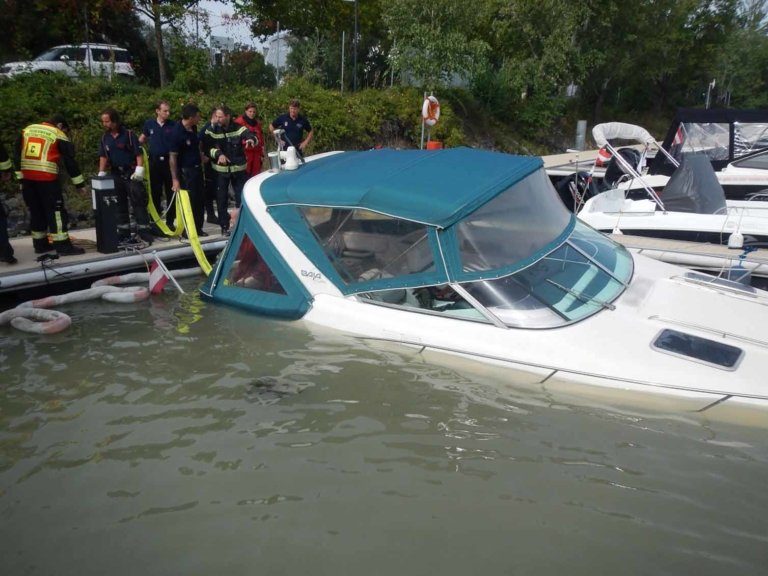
(694, 188)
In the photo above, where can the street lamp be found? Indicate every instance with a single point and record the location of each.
(354, 51)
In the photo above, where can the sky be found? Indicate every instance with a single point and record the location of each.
(222, 24)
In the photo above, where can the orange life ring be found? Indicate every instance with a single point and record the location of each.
(430, 110)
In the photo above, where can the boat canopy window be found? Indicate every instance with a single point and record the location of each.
(441, 299)
(364, 246)
(512, 227)
(758, 161)
(713, 139)
(249, 270)
(579, 278)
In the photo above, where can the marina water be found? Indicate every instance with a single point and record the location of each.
(182, 437)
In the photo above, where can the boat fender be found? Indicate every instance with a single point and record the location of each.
(36, 320)
(736, 240)
(430, 110)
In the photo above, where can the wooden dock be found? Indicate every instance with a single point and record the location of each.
(33, 273)
(699, 255)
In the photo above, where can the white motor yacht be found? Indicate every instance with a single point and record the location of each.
(471, 253)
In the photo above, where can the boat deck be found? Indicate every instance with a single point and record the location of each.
(31, 272)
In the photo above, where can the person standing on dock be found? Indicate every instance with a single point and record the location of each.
(294, 125)
(6, 250)
(120, 152)
(157, 132)
(226, 144)
(209, 174)
(186, 163)
(254, 154)
(38, 151)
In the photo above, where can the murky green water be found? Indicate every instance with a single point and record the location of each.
(179, 437)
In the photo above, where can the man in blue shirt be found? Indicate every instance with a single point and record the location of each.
(294, 126)
(119, 151)
(157, 132)
(186, 162)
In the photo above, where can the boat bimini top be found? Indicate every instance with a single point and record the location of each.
(400, 227)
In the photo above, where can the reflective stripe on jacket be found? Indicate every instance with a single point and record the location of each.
(230, 142)
(39, 150)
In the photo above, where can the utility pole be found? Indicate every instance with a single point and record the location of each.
(354, 55)
(354, 51)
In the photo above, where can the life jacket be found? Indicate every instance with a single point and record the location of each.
(41, 149)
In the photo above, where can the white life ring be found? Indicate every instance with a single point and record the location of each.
(430, 110)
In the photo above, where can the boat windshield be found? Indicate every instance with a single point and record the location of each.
(577, 279)
(512, 227)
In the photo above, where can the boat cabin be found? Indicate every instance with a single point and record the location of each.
(470, 234)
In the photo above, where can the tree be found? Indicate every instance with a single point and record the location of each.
(161, 13)
(742, 66)
(435, 41)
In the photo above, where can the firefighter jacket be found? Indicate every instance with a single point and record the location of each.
(5, 162)
(230, 142)
(39, 150)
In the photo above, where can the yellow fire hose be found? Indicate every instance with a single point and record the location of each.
(184, 219)
(157, 220)
(187, 221)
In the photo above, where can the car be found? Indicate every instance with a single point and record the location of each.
(74, 60)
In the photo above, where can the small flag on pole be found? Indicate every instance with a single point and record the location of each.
(603, 157)
(157, 278)
(679, 136)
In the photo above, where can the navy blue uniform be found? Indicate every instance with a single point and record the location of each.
(121, 150)
(294, 129)
(186, 145)
(159, 140)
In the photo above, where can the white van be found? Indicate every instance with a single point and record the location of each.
(76, 59)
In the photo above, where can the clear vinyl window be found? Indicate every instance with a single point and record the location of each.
(363, 246)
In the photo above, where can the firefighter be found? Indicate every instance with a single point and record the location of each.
(225, 144)
(39, 149)
(6, 250)
(120, 152)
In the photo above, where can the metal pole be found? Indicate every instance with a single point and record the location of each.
(421, 145)
(581, 134)
(354, 56)
(342, 61)
(277, 60)
(88, 39)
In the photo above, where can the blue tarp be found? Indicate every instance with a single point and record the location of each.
(436, 187)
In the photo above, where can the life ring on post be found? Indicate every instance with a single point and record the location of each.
(430, 110)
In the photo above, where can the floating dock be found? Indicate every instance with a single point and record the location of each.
(701, 256)
(35, 274)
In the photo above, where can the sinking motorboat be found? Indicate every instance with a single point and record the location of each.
(471, 253)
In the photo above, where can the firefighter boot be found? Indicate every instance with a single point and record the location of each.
(66, 248)
(42, 245)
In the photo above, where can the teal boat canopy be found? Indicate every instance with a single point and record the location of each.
(431, 187)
